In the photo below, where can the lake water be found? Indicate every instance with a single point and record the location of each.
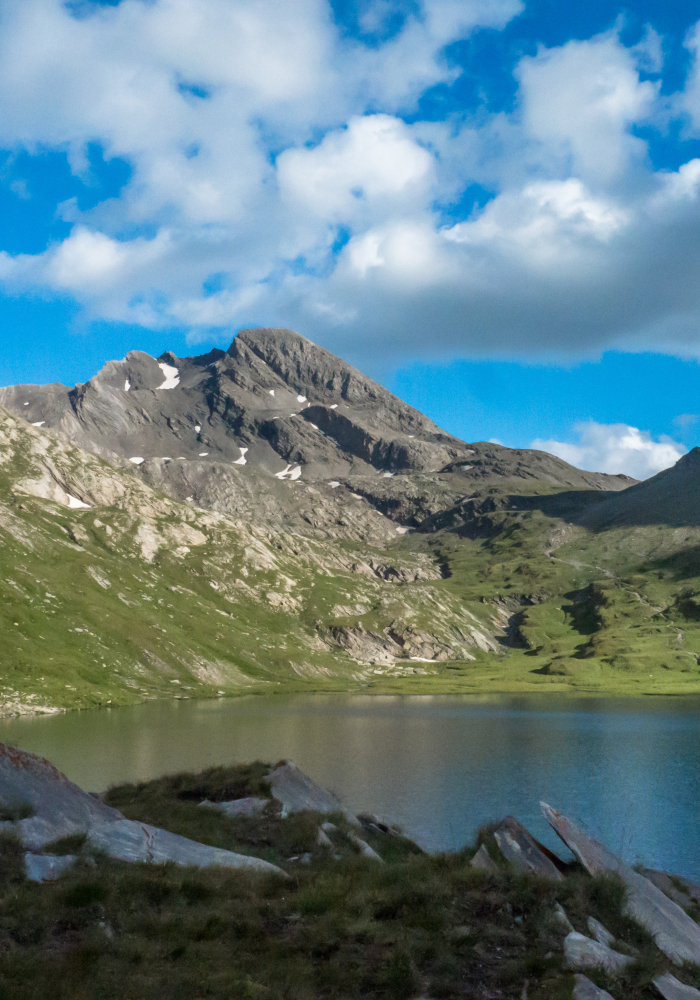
(627, 769)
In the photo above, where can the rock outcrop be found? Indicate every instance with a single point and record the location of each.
(672, 929)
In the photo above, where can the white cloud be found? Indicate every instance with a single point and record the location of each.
(615, 448)
(258, 134)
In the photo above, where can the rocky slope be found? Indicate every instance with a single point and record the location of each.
(269, 517)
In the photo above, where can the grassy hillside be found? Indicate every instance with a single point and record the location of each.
(135, 596)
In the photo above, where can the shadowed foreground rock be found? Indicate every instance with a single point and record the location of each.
(582, 952)
(47, 867)
(57, 807)
(520, 848)
(672, 929)
(671, 989)
(30, 784)
(586, 990)
(296, 791)
(128, 840)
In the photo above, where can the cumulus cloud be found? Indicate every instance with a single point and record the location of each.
(272, 150)
(615, 448)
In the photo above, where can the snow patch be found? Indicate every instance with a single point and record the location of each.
(197, 427)
(172, 376)
(75, 504)
(203, 454)
(411, 435)
(301, 399)
(334, 406)
(39, 423)
(272, 392)
(388, 475)
(242, 459)
(291, 472)
(127, 385)
(402, 531)
(334, 484)
(26, 404)
(137, 460)
(315, 426)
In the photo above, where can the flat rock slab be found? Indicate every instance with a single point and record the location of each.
(586, 990)
(581, 952)
(47, 867)
(483, 860)
(60, 807)
(678, 889)
(672, 929)
(599, 932)
(671, 989)
(128, 840)
(297, 791)
(520, 849)
(238, 807)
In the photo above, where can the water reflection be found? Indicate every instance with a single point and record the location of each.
(629, 770)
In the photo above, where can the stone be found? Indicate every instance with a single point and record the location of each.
(671, 989)
(672, 929)
(47, 867)
(482, 860)
(323, 840)
(581, 952)
(128, 840)
(297, 791)
(60, 808)
(586, 990)
(238, 807)
(599, 932)
(562, 919)
(678, 889)
(520, 849)
(365, 850)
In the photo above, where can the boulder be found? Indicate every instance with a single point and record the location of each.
(297, 791)
(581, 952)
(47, 867)
(562, 919)
(672, 929)
(671, 989)
(238, 807)
(59, 807)
(599, 932)
(128, 840)
(482, 859)
(586, 990)
(365, 850)
(520, 849)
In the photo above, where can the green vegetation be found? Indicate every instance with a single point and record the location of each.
(141, 597)
(339, 927)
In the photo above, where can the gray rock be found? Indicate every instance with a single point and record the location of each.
(520, 849)
(238, 807)
(586, 990)
(297, 791)
(47, 867)
(562, 919)
(599, 932)
(482, 860)
(323, 840)
(365, 850)
(672, 929)
(671, 989)
(581, 952)
(128, 840)
(60, 807)
(685, 894)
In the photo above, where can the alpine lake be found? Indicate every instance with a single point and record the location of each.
(626, 769)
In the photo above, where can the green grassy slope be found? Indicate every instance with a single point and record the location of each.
(137, 596)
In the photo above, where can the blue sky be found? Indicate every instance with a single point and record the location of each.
(492, 206)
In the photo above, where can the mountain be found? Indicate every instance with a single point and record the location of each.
(268, 518)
